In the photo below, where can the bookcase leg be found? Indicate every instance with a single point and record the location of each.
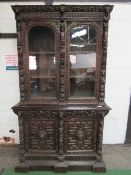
(22, 167)
(99, 166)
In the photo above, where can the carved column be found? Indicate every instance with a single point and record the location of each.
(107, 10)
(61, 166)
(26, 129)
(61, 122)
(62, 56)
(99, 165)
(20, 61)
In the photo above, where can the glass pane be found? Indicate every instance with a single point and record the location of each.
(82, 61)
(42, 63)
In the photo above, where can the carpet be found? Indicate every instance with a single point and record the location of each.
(109, 172)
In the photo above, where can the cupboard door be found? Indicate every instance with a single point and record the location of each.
(43, 129)
(79, 131)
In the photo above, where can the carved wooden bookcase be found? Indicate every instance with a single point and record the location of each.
(62, 67)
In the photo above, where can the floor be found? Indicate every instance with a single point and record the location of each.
(115, 156)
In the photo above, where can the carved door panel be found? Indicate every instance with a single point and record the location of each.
(44, 132)
(79, 131)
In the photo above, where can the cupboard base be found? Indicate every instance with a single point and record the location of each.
(62, 167)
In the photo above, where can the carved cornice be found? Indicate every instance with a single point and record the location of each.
(63, 8)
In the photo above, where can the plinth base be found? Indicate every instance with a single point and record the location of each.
(22, 167)
(61, 167)
(99, 167)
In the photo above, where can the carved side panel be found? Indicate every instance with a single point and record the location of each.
(100, 134)
(21, 137)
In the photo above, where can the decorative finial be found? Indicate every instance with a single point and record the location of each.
(49, 2)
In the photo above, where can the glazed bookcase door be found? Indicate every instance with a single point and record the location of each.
(41, 60)
(84, 57)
